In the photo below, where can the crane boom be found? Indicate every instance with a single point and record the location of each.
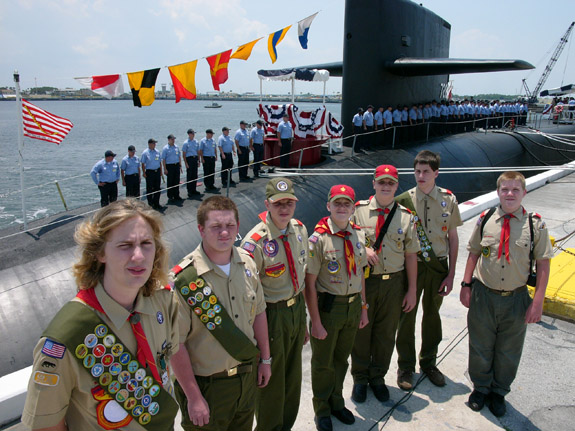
(533, 95)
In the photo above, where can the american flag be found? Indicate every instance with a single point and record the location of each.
(40, 124)
(53, 349)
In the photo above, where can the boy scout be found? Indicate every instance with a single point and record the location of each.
(223, 326)
(102, 361)
(392, 246)
(279, 246)
(437, 218)
(335, 297)
(499, 304)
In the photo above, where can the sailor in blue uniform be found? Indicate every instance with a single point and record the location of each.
(152, 172)
(257, 143)
(106, 174)
(172, 159)
(285, 134)
(227, 151)
(190, 154)
(208, 158)
(242, 141)
(130, 170)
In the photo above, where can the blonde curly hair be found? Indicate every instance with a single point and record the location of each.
(91, 237)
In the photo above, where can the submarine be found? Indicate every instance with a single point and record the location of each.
(413, 47)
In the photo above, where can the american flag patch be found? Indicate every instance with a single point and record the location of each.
(249, 247)
(53, 349)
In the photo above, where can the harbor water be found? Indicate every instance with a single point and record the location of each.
(99, 125)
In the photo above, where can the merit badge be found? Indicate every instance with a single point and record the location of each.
(97, 370)
(140, 374)
(122, 395)
(333, 267)
(124, 376)
(192, 301)
(217, 308)
(81, 351)
(443, 204)
(199, 296)
(89, 361)
(211, 326)
(114, 387)
(146, 400)
(198, 310)
(206, 304)
(154, 408)
(204, 318)
(124, 358)
(133, 366)
(486, 251)
(281, 186)
(107, 360)
(139, 392)
(193, 286)
(185, 290)
(160, 317)
(218, 320)
(132, 385)
(147, 382)
(248, 246)
(130, 403)
(200, 282)
(109, 340)
(91, 340)
(115, 369)
(207, 291)
(145, 419)
(211, 313)
(154, 390)
(105, 379)
(99, 350)
(270, 248)
(138, 410)
(400, 231)
(248, 272)
(101, 330)
(46, 379)
(425, 254)
(213, 299)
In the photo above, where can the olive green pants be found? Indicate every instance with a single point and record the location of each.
(277, 404)
(496, 334)
(428, 283)
(374, 343)
(329, 356)
(231, 401)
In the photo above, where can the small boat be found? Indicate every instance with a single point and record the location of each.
(213, 105)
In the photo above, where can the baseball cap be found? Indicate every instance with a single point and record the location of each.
(191, 131)
(109, 153)
(210, 131)
(170, 136)
(279, 188)
(341, 191)
(386, 171)
(131, 148)
(260, 122)
(243, 122)
(152, 141)
(225, 128)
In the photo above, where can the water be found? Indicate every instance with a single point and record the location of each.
(99, 125)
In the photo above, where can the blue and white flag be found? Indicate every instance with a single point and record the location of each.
(303, 29)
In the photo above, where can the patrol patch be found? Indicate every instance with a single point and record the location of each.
(53, 349)
(313, 239)
(46, 379)
(248, 246)
(276, 270)
(270, 248)
(160, 317)
(486, 251)
(333, 267)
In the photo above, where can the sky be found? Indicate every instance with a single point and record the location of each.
(52, 41)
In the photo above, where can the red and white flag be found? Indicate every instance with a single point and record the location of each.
(40, 124)
(105, 85)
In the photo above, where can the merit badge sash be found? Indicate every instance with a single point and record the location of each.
(208, 309)
(126, 390)
(427, 254)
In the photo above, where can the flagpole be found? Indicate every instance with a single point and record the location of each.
(20, 144)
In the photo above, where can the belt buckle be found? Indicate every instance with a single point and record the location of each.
(351, 299)
(232, 371)
(506, 293)
(385, 277)
(291, 301)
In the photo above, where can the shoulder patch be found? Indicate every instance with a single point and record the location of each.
(449, 192)
(177, 269)
(313, 239)
(53, 349)
(364, 202)
(299, 222)
(249, 247)
(256, 237)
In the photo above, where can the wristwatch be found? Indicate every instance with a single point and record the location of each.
(464, 284)
(365, 305)
(266, 361)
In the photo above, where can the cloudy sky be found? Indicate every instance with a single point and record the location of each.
(52, 41)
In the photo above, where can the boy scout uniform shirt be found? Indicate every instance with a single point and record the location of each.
(399, 239)
(240, 294)
(497, 273)
(441, 215)
(264, 242)
(65, 389)
(327, 261)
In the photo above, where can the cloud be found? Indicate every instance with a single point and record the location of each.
(477, 42)
(91, 45)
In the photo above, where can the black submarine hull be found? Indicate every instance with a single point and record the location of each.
(35, 267)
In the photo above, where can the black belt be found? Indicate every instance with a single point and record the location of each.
(191, 157)
(238, 369)
(130, 175)
(152, 170)
(286, 303)
(387, 276)
(209, 157)
(342, 299)
(513, 292)
(258, 143)
(173, 164)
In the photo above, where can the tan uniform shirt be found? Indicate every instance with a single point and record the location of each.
(240, 294)
(438, 212)
(69, 395)
(327, 261)
(264, 242)
(399, 239)
(497, 273)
